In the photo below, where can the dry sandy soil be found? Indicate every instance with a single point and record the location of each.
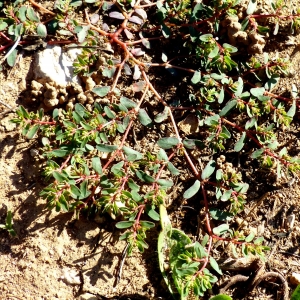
(55, 256)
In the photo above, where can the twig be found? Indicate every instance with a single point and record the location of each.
(119, 274)
(235, 279)
(41, 8)
(274, 274)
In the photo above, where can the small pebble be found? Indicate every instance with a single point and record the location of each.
(34, 152)
(71, 277)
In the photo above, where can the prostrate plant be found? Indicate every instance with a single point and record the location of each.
(91, 163)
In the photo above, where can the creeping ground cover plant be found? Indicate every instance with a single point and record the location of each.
(92, 160)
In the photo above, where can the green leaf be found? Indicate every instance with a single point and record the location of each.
(240, 143)
(101, 91)
(106, 148)
(226, 196)
(167, 142)
(63, 203)
(172, 169)
(193, 190)
(11, 59)
(128, 103)
(291, 112)
(153, 214)
(225, 133)
(162, 116)
(31, 15)
(250, 237)
(109, 113)
(228, 107)
(219, 175)
(165, 183)
(144, 176)
(208, 170)
(22, 13)
(215, 265)
(162, 155)
(296, 293)
(84, 192)
(212, 120)
(9, 219)
(251, 123)
(220, 215)
(239, 88)
(59, 176)
(131, 154)
(147, 224)
(222, 297)
(230, 48)
(58, 152)
(96, 165)
(270, 84)
(41, 30)
(165, 31)
(132, 185)
(251, 7)
(257, 92)
(221, 96)
(144, 118)
(116, 168)
(221, 229)
(109, 72)
(3, 25)
(213, 53)
(75, 191)
(196, 77)
(124, 224)
(206, 37)
(257, 153)
(200, 250)
(33, 130)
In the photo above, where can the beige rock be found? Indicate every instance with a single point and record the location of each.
(89, 84)
(77, 88)
(71, 277)
(81, 98)
(87, 296)
(51, 102)
(295, 278)
(36, 86)
(69, 106)
(7, 124)
(51, 92)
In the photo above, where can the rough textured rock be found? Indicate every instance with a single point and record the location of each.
(7, 124)
(55, 64)
(87, 296)
(71, 277)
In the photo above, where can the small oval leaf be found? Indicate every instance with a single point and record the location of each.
(193, 190)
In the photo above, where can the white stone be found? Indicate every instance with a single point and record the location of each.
(56, 65)
(87, 296)
(71, 277)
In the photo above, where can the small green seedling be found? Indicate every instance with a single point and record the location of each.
(9, 224)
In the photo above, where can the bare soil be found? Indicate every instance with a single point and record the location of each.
(55, 256)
